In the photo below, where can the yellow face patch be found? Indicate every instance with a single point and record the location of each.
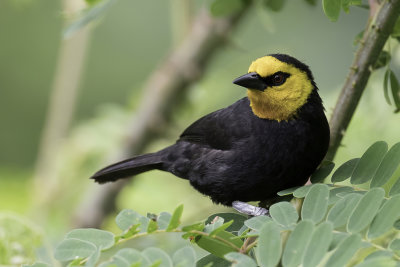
(279, 102)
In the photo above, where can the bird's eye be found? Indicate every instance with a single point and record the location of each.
(278, 79)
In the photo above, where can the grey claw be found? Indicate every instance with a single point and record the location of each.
(248, 209)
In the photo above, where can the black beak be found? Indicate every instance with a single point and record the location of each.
(251, 81)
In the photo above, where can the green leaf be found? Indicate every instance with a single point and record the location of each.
(196, 226)
(333, 193)
(163, 220)
(269, 248)
(115, 262)
(394, 84)
(126, 218)
(337, 237)
(386, 217)
(255, 223)
(383, 60)
(284, 214)
(216, 246)
(344, 171)
(341, 211)
(226, 7)
(221, 228)
(378, 262)
(288, 191)
(131, 256)
(93, 259)
(302, 191)
(396, 29)
(316, 203)
(318, 245)
(365, 210)
(379, 254)
(395, 188)
(322, 172)
(344, 251)
(240, 260)
(238, 220)
(274, 5)
(184, 257)
(175, 219)
(70, 249)
(395, 245)
(369, 163)
(212, 260)
(387, 167)
(152, 226)
(215, 224)
(100, 238)
(156, 255)
(312, 2)
(332, 8)
(297, 244)
(385, 85)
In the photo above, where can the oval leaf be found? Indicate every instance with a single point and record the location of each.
(369, 163)
(344, 171)
(240, 260)
(340, 213)
(316, 203)
(345, 251)
(394, 84)
(387, 167)
(163, 220)
(284, 214)
(269, 246)
(318, 245)
(395, 245)
(322, 172)
(302, 191)
(157, 255)
(333, 194)
(255, 223)
(126, 218)
(297, 244)
(131, 256)
(101, 239)
(72, 248)
(332, 8)
(185, 256)
(386, 217)
(395, 188)
(365, 210)
(175, 219)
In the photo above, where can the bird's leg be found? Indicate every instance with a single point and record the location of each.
(248, 209)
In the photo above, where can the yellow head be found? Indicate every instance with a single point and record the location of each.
(278, 85)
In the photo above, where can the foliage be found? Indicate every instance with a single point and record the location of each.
(334, 224)
(19, 239)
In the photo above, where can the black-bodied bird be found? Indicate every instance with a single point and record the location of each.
(271, 140)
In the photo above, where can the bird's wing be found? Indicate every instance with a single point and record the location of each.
(219, 129)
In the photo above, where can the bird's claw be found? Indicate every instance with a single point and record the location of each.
(248, 209)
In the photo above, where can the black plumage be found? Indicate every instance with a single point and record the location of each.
(231, 154)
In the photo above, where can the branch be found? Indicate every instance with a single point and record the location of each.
(61, 107)
(162, 93)
(368, 52)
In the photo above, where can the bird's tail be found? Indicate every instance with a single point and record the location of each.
(128, 167)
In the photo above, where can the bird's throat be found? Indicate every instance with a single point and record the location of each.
(269, 108)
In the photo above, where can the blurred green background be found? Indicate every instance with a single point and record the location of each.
(125, 46)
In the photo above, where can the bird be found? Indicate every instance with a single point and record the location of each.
(270, 140)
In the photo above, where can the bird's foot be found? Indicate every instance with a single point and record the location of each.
(248, 209)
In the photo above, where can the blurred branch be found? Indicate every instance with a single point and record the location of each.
(61, 107)
(162, 93)
(370, 47)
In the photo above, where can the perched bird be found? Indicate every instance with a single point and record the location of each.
(271, 140)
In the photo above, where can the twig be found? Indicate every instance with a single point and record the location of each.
(162, 93)
(370, 47)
